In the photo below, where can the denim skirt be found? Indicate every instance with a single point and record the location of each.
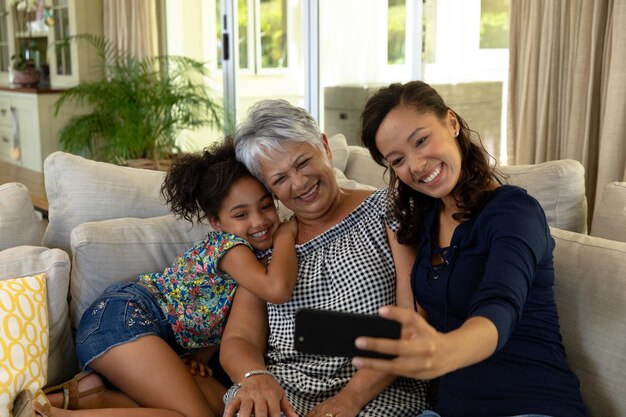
(123, 313)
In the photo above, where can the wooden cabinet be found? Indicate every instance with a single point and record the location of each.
(68, 64)
(27, 120)
(28, 124)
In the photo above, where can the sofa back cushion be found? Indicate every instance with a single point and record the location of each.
(609, 216)
(110, 251)
(81, 190)
(559, 186)
(18, 221)
(33, 260)
(590, 292)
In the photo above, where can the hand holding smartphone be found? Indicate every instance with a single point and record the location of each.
(332, 333)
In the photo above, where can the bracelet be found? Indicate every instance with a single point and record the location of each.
(257, 372)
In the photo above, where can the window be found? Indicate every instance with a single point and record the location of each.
(262, 34)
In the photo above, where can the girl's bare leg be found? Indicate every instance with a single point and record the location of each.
(150, 374)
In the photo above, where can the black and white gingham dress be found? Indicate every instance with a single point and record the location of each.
(347, 268)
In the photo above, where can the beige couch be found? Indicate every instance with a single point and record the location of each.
(112, 223)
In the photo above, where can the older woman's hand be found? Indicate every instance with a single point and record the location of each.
(260, 396)
(337, 406)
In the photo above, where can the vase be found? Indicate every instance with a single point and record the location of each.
(28, 77)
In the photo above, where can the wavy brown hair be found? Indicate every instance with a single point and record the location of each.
(197, 183)
(407, 205)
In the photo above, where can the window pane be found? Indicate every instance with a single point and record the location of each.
(4, 39)
(396, 31)
(273, 34)
(243, 33)
(61, 32)
(494, 24)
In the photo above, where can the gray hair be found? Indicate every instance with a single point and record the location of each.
(270, 126)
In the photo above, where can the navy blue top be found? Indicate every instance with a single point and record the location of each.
(499, 266)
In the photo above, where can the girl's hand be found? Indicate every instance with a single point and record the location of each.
(197, 362)
(421, 351)
(289, 227)
(196, 367)
(260, 395)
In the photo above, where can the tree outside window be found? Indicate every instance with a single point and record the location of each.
(494, 24)
(396, 31)
(266, 34)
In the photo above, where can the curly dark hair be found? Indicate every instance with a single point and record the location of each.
(197, 183)
(407, 205)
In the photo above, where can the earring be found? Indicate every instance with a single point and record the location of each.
(456, 134)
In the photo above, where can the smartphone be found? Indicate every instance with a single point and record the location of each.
(332, 333)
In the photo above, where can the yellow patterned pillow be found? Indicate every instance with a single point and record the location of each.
(23, 338)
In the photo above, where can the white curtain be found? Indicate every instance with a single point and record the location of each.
(131, 25)
(567, 86)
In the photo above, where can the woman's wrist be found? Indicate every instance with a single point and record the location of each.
(256, 372)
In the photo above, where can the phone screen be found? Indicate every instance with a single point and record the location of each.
(332, 333)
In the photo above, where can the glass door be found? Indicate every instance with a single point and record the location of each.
(359, 55)
(265, 53)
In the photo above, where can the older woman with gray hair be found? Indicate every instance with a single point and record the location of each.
(348, 260)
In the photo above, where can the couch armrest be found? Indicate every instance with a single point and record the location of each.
(590, 290)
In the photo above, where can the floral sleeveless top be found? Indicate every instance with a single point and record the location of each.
(194, 295)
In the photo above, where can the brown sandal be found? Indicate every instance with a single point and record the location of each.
(26, 406)
(40, 409)
(23, 405)
(71, 394)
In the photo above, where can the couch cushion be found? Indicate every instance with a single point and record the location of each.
(81, 190)
(559, 186)
(590, 294)
(18, 221)
(609, 216)
(362, 168)
(339, 150)
(110, 251)
(30, 260)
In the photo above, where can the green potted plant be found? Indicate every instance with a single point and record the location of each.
(138, 108)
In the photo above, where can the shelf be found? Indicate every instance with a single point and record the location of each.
(26, 35)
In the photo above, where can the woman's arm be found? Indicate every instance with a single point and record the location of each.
(403, 259)
(242, 350)
(275, 282)
(362, 388)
